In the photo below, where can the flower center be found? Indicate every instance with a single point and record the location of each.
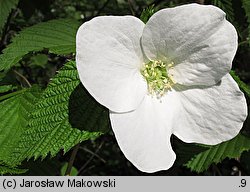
(158, 79)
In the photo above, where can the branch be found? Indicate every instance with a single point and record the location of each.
(71, 160)
(131, 7)
(93, 153)
(24, 78)
(103, 7)
(12, 15)
(5, 30)
(90, 159)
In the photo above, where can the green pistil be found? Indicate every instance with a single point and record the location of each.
(157, 77)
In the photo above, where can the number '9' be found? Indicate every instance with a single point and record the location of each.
(243, 182)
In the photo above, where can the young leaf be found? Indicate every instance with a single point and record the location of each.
(14, 115)
(56, 35)
(5, 8)
(215, 154)
(64, 116)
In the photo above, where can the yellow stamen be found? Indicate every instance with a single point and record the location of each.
(157, 77)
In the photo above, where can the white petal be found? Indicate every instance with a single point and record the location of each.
(211, 115)
(108, 60)
(144, 134)
(197, 38)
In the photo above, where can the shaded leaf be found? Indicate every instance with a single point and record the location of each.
(246, 7)
(47, 167)
(5, 8)
(56, 35)
(73, 171)
(39, 60)
(6, 88)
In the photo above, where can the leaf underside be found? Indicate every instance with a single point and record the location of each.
(56, 35)
(64, 116)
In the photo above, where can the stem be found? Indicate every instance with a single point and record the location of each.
(90, 159)
(200, 2)
(238, 159)
(24, 78)
(5, 30)
(242, 43)
(12, 94)
(93, 153)
(71, 160)
(131, 7)
(216, 169)
(102, 8)
(156, 2)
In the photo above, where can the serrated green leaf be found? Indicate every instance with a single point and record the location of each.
(5, 8)
(14, 115)
(64, 116)
(243, 86)
(215, 154)
(56, 35)
(10, 170)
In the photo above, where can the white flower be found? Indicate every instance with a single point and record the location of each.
(170, 76)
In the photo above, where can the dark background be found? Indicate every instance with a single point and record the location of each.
(103, 156)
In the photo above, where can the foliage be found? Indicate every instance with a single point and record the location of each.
(215, 154)
(64, 109)
(10, 170)
(73, 171)
(6, 88)
(5, 8)
(246, 6)
(56, 35)
(53, 115)
(147, 13)
(14, 115)
(244, 87)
